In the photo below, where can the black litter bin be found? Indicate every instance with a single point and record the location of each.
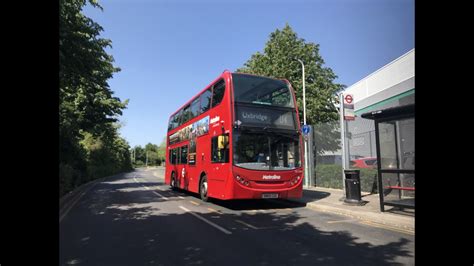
(352, 181)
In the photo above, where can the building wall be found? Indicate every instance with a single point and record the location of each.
(390, 86)
(391, 80)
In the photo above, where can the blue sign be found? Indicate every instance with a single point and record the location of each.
(306, 129)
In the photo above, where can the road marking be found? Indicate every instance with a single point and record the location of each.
(213, 210)
(246, 224)
(206, 221)
(195, 203)
(341, 221)
(383, 226)
(160, 195)
(180, 197)
(250, 211)
(366, 222)
(165, 198)
(75, 201)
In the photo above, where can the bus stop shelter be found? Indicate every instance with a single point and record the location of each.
(395, 145)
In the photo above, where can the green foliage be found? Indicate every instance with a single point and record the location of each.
(279, 60)
(151, 155)
(330, 176)
(90, 146)
(162, 150)
(67, 176)
(139, 163)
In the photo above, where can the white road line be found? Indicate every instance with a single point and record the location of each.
(165, 198)
(176, 194)
(206, 221)
(160, 195)
(246, 224)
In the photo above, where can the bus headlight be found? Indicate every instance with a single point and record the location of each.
(295, 180)
(242, 180)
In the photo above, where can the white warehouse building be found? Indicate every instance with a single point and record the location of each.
(393, 85)
(390, 86)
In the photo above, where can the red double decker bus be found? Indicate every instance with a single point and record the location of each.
(239, 138)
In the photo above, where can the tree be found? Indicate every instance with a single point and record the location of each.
(86, 101)
(151, 147)
(279, 60)
(139, 153)
(89, 144)
(162, 151)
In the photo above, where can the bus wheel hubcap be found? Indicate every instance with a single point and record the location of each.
(204, 188)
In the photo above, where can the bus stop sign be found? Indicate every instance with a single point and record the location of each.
(306, 129)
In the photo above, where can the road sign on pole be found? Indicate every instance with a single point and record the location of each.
(306, 129)
(348, 107)
(348, 99)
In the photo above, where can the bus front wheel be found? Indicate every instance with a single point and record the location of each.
(203, 188)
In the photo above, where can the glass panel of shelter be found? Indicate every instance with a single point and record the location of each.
(397, 155)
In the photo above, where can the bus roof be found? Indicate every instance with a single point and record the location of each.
(223, 75)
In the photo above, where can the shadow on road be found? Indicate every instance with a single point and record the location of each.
(311, 195)
(118, 230)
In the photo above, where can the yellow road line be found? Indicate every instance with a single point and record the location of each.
(213, 210)
(195, 203)
(74, 201)
(341, 221)
(388, 227)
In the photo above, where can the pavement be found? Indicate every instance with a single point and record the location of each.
(332, 201)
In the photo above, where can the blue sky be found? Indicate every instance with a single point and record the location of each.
(170, 50)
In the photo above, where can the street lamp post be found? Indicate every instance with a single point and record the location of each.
(304, 122)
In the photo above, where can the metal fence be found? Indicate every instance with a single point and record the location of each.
(328, 155)
(361, 153)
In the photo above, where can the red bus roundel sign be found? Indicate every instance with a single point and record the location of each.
(348, 99)
(348, 107)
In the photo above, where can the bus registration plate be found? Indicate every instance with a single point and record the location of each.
(269, 195)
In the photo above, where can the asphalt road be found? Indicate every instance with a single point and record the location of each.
(135, 219)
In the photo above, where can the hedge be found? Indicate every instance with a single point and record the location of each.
(330, 176)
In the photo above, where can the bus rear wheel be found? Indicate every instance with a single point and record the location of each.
(173, 183)
(203, 188)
